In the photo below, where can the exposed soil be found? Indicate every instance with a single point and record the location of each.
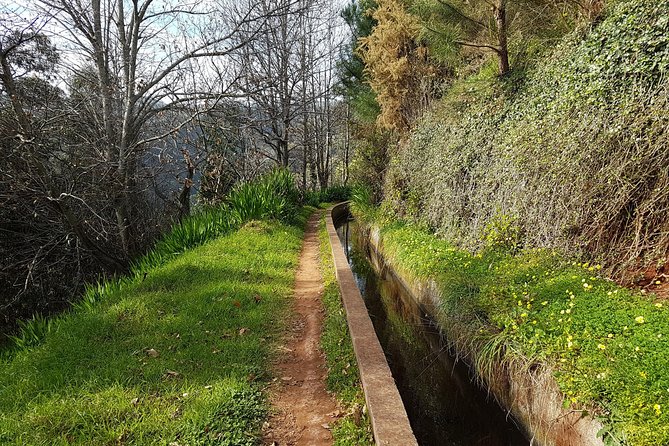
(303, 410)
(655, 280)
(652, 279)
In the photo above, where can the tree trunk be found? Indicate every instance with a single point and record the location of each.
(17, 106)
(347, 143)
(184, 196)
(500, 20)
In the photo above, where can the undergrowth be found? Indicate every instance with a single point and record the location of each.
(178, 356)
(332, 194)
(343, 379)
(273, 196)
(607, 345)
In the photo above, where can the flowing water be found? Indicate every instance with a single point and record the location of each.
(444, 406)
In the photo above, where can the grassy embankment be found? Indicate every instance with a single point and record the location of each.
(607, 345)
(177, 352)
(180, 356)
(343, 379)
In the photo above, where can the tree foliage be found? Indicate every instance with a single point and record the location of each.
(451, 27)
(397, 65)
(351, 67)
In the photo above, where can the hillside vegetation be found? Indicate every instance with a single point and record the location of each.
(572, 154)
(526, 185)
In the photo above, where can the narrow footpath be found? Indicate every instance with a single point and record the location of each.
(303, 410)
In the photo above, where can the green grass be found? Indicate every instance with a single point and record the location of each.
(608, 345)
(272, 196)
(211, 315)
(343, 376)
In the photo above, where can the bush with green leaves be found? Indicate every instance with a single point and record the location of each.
(577, 149)
(332, 194)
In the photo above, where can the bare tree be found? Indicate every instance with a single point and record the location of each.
(287, 76)
(77, 177)
(141, 53)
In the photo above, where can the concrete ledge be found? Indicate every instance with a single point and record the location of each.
(390, 422)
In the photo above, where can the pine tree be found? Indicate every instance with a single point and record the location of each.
(451, 24)
(397, 65)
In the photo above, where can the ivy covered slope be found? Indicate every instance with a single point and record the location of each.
(573, 149)
(506, 180)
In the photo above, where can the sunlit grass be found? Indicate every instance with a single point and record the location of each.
(607, 345)
(180, 356)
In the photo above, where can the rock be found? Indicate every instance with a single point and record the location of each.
(152, 353)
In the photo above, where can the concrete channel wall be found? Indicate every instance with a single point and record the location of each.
(528, 391)
(390, 423)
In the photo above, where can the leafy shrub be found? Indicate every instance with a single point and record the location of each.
(282, 182)
(502, 233)
(332, 194)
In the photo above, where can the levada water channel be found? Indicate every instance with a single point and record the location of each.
(445, 406)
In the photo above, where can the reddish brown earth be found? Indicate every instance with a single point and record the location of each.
(653, 279)
(303, 410)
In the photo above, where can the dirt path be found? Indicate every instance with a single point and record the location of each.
(304, 410)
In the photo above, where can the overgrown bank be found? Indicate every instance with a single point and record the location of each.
(606, 345)
(273, 196)
(176, 352)
(571, 154)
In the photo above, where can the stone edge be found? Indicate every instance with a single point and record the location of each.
(390, 423)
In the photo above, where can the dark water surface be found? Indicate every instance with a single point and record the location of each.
(445, 407)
